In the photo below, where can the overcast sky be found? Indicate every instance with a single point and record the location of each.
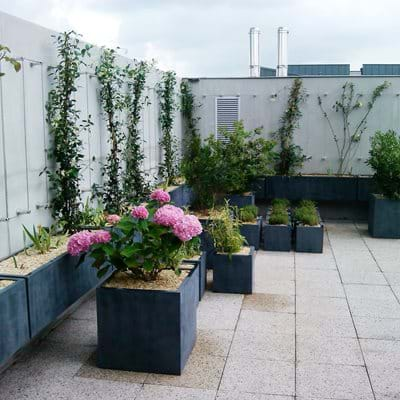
(210, 37)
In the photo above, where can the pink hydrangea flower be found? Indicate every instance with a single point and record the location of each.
(140, 212)
(168, 215)
(161, 196)
(79, 243)
(113, 219)
(187, 228)
(101, 236)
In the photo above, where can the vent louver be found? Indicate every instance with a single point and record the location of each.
(227, 113)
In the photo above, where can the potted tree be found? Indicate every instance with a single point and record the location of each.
(146, 310)
(277, 231)
(384, 206)
(250, 226)
(232, 261)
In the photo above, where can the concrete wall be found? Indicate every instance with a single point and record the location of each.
(24, 135)
(259, 107)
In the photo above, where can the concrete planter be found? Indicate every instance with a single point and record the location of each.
(252, 233)
(277, 237)
(200, 261)
(147, 330)
(384, 217)
(309, 239)
(235, 273)
(54, 287)
(241, 200)
(14, 322)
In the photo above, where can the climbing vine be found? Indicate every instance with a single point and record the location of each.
(66, 126)
(111, 77)
(166, 91)
(134, 180)
(5, 55)
(348, 103)
(290, 156)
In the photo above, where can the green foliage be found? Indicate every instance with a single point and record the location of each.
(306, 213)
(224, 229)
(283, 203)
(91, 216)
(111, 77)
(348, 103)
(65, 127)
(290, 157)
(135, 185)
(278, 217)
(43, 239)
(307, 204)
(191, 249)
(166, 91)
(5, 55)
(248, 213)
(384, 159)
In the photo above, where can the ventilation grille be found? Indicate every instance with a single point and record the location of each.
(227, 114)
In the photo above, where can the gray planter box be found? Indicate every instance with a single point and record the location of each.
(277, 237)
(55, 286)
(241, 200)
(14, 323)
(207, 243)
(365, 188)
(252, 233)
(176, 195)
(187, 196)
(233, 274)
(147, 330)
(200, 261)
(384, 217)
(309, 239)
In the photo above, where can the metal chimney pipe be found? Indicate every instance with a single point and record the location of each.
(282, 67)
(254, 52)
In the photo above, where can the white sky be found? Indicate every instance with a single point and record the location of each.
(210, 37)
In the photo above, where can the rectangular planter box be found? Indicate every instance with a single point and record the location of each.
(176, 195)
(241, 200)
(147, 330)
(365, 188)
(277, 237)
(309, 239)
(252, 233)
(233, 274)
(55, 286)
(200, 261)
(207, 244)
(14, 322)
(187, 196)
(384, 217)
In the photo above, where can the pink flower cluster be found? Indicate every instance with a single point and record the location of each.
(80, 242)
(168, 215)
(187, 228)
(140, 212)
(113, 219)
(161, 196)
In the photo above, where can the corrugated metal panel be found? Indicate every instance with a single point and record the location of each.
(380, 69)
(265, 71)
(318, 69)
(227, 113)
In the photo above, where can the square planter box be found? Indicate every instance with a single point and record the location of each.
(252, 233)
(187, 196)
(241, 200)
(14, 323)
(207, 243)
(233, 274)
(200, 261)
(176, 195)
(309, 239)
(277, 237)
(147, 330)
(54, 287)
(384, 217)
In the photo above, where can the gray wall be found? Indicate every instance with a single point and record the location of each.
(24, 136)
(258, 108)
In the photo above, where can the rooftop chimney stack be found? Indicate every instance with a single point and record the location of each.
(254, 52)
(282, 67)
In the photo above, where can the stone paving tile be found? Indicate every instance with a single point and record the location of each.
(213, 342)
(315, 261)
(376, 308)
(258, 376)
(268, 302)
(311, 325)
(333, 382)
(396, 290)
(364, 265)
(315, 275)
(385, 381)
(258, 345)
(266, 323)
(319, 288)
(378, 292)
(329, 306)
(201, 372)
(151, 392)
(381, 352)
(328, 350)
(275, 273)
(223, 395)
(274, 286)
(357, 276)
(393, 278)
(87, 310)
(377, 328)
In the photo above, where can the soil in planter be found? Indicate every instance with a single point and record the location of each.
(166, 280)
(29, 260)
(4, 283)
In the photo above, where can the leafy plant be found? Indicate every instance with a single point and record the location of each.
(40, 237)
(348, 103)
(66, 126)
(290, 157)
(166, 91)
(111, 78)
(248, 213)
(306, 213)
(5, 55)
(134, 179)
(91, 216)
(278, 217)
(225, 231)
(384, 159)
(283, 203)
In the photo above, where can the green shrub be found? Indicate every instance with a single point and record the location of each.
(248, 213)
(283, 203)
(279, 217)
(384, 159)
(307, 215)
(307, 204)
